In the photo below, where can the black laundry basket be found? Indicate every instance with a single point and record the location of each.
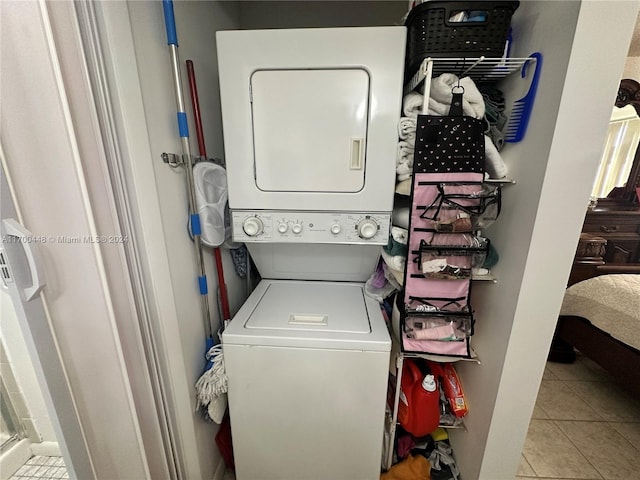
(431, 34)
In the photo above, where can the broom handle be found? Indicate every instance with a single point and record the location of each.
(183, 130)
(224, 299)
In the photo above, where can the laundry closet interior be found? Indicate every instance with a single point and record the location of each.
(515, 311)
(513, 323)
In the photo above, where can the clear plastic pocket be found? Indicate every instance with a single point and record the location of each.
(437, 304)
(452, 262)
(439, 327)
(459, 208)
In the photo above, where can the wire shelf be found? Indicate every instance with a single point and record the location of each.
(480, 69)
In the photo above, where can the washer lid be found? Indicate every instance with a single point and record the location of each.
(313, 307)
(309, 314)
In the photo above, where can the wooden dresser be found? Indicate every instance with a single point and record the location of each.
(620, 227)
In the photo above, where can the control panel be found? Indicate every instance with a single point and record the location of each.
(310, 227)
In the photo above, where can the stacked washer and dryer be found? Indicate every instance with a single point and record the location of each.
(310, 129)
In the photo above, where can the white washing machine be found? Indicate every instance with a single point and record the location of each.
(307, 364)
(310, 128)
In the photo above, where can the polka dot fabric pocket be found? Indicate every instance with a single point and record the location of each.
(448, 144)
(454, 143)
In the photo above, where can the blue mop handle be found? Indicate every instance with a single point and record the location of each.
(170, 22)
(172, 41)
(183, 130)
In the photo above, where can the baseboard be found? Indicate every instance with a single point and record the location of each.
(46, 449)
(14, 458)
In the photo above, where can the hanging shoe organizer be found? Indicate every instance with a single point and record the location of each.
(451, 204)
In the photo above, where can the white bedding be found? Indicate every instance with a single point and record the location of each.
(610, 302)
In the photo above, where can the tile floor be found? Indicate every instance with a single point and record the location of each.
(583, 427)
(41, 468)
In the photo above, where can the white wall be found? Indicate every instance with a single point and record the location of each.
(143, 92)
(309, 14)
(632, 68)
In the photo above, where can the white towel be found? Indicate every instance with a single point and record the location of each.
(441, 96)
(407, 129)
(405, 153)
(472, 100)
(404, 160)
(403, 172)
(493, 162)
(403, 187)
(412, 104)
(394, 262)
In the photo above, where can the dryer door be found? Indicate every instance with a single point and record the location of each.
(310, 129)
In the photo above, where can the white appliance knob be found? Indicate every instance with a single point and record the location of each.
(367, 228)
(283, 227)
(335, 228)
(252, 226)
(296, 228)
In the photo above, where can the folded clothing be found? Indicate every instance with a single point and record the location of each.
(407, 129)
(412, 104)
(404, 160)
(493, 163)
(441, 95)
(395, 262)
(472, 101)
(410, 468)
(494, 114)
(403, 187)
(397, 244)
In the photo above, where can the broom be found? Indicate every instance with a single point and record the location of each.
(212, 385)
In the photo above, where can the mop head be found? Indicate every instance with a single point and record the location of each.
(212, 386)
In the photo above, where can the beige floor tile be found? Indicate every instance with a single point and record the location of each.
(524, 469)
(608, 399)
(551, 454)
(630, 431)
(560, 402)
(582, 369)
(608, 451)
(539, 413)
(548, 374)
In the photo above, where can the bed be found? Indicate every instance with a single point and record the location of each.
(600, 317)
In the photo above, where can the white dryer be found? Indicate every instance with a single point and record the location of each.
(310, 129)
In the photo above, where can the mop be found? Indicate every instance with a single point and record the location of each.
(214, 380)
(211, 387)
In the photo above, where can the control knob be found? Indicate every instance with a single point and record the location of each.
(336, 228)
(296, 228)
(283, 227)
(367, 228)
(252, 226)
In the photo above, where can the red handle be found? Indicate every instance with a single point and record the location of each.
(224, 299)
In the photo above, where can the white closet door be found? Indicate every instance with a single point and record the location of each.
(309, 129)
